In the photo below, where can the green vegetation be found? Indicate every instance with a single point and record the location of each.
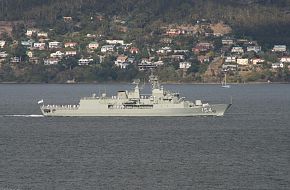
(267, 21)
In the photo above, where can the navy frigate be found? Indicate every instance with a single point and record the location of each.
(160, 102)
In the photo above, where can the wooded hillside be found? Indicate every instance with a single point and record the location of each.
(268, 21)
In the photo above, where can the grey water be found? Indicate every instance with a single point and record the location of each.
(248, 148)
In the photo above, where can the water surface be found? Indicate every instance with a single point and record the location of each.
(248, 148)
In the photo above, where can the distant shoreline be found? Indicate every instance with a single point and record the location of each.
(112, 82)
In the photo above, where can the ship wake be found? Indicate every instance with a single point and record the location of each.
(21, 115)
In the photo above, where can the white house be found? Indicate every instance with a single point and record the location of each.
(158, 63)
(51, 61)
(178, 57)
(237, 49)
(184, 65)
(146, 64)
(285, 60)
(277, 65)
(15, 60)
(181, 51)
(230, 60)
(30, 54)
(2, 43)
(164, 50)
(27, 43)
(122, 61)
(257, 61)
(71, 53)
(30, 32)
(256, 49)
(3, 54)
(54, 45)
(39, 45)
(57, 54)
(243, 61)
(122, 65)
(228, 42)
(230, 67)
(93, 45)
(107, 48)
(83, 62)
(42, 34)
(279, 48)
(115, 42)
(70, 44)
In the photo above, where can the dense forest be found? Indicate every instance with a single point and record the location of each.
(268, 21)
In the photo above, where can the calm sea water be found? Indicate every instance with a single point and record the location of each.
(248, 148)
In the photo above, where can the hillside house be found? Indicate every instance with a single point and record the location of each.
(2, 43)
(54, 45)
(181, 51)
(122, 62)
(257, 61)
(158, 63)
(84, 62)
(285, 60)
(70, 44)
(242, 41)
(277, 65)
(131, 59)
(164, 50)
(93, 45)
(91, 36)
(134, 50)
(202, 47)
(166, 40)
(30, 54)
(71, 53)
(30, 32)
(230, 60)
(230, 67)
(122, 58)
(3, 54)
(255, 49)
(178, 57)
(57, 54)
(34, 60)
(28, 43)
(15, 59)
(228, 42)
(67, 18)
(42, 34)
(107, 48)
(243, 61)
(146, 64)
(279, 48)
(174, 32)
(204, 58)
(51, 61)
(115, 42)
(237, 49)
(184, 65)
(39, 45)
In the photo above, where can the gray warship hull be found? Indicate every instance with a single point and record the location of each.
(94, 111)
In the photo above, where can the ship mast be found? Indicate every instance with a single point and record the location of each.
(154, 81)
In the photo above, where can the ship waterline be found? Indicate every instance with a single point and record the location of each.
(132, 103)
